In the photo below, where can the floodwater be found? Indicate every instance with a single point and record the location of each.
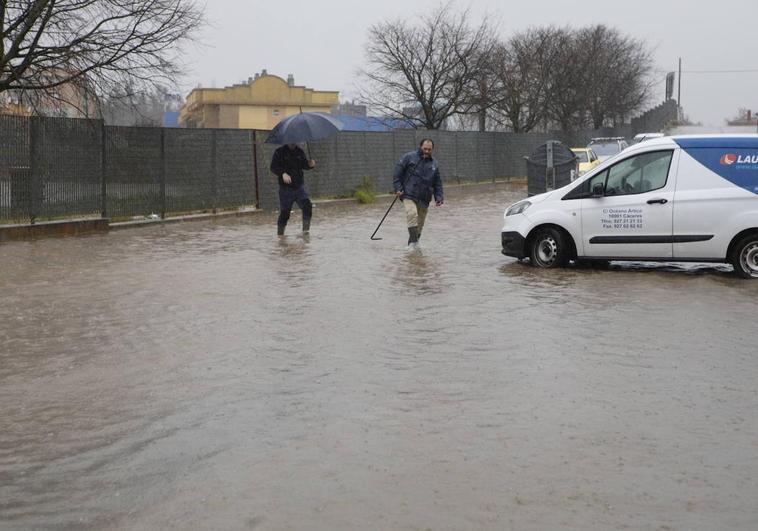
(209, 375)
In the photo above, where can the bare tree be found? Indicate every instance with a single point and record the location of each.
(485, 89)
(98, 47)
(426, 73)
(522, 67)
(567, 85)
(618, 80)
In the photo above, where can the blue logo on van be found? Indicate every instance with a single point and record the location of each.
(734, 159)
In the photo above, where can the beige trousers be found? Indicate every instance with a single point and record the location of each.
(415, 214)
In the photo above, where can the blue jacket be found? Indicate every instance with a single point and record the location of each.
(418, 178)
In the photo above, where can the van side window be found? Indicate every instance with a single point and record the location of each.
(584, 189)
(634, 175)
(639, 174)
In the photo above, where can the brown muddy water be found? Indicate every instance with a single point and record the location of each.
(209, 375)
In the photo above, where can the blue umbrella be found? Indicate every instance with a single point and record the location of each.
(303, 127)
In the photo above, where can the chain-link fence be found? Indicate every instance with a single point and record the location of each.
(60, 167)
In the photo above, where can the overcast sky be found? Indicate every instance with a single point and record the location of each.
(321, 42)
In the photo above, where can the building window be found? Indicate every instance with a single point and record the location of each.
(275, 112)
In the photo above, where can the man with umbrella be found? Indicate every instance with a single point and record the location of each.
(289, 161)
(288, 164)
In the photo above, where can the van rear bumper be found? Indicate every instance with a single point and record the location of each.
(513, 244)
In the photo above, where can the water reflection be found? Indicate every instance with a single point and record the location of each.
(210, 375)
(418, 274)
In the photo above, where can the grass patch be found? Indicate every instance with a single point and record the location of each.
(365, 192)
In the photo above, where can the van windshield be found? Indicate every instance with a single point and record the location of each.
(582, 156)
(609, 148)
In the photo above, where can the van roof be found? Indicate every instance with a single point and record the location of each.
(717, 141)
(704, 141)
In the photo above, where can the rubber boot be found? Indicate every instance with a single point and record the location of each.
(280, 230)
(306, 224)
(412, 235)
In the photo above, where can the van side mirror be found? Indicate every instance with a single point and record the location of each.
(598, 190)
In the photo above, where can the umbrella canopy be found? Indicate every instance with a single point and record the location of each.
(303, 127)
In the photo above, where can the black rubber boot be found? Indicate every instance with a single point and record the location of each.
(281, 222)
(307, 213)
(412, 235)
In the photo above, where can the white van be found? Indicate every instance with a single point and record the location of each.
(683, 198)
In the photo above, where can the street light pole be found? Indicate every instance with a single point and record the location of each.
(679, 93)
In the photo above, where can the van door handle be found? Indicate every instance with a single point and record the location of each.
(654, 201)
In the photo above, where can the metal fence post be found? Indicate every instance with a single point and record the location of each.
(214, 171)
(163, 173)
(455, 148)
(33, 198)
(254, 137)
(103, 187)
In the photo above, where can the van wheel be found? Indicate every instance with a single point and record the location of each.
(549, 249)
(745, 257)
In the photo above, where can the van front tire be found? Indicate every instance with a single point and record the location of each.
(745, 256)
(549, 249)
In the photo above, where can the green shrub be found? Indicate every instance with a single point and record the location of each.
(365, 192)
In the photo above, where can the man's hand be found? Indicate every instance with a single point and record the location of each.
(398, 193)
(286, 178)
(311, 163)
(439, 203)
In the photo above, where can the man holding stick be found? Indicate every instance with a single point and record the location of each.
(416, 180)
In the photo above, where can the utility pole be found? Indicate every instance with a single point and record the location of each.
(679, 93)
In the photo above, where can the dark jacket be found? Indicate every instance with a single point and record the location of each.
(418, 178)
(289, 161)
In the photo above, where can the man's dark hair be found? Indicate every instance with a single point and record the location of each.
(425, 140)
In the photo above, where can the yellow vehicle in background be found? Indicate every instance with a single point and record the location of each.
(586, 159)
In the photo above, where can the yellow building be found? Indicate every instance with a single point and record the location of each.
(258, 104)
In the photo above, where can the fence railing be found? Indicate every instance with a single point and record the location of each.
(61, 167)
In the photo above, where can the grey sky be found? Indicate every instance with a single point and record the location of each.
(321, 42)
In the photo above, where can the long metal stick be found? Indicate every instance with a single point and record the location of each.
(385, 216)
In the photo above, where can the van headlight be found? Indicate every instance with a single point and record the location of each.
(518, 208)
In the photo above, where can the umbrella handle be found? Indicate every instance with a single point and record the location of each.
(307, 144)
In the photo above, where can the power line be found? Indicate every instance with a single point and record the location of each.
(719, 71)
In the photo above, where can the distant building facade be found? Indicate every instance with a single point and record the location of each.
(72, 99)
(349, 109)
(151, 109)
(261, 103)
(744, 117)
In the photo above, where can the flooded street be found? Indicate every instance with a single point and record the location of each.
(209, 375)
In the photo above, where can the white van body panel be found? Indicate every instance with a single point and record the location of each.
(603, 217)
(706, 204)
(710, 195)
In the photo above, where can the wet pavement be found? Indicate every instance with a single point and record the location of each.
(209, 375)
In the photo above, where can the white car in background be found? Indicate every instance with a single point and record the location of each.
(606, 147)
